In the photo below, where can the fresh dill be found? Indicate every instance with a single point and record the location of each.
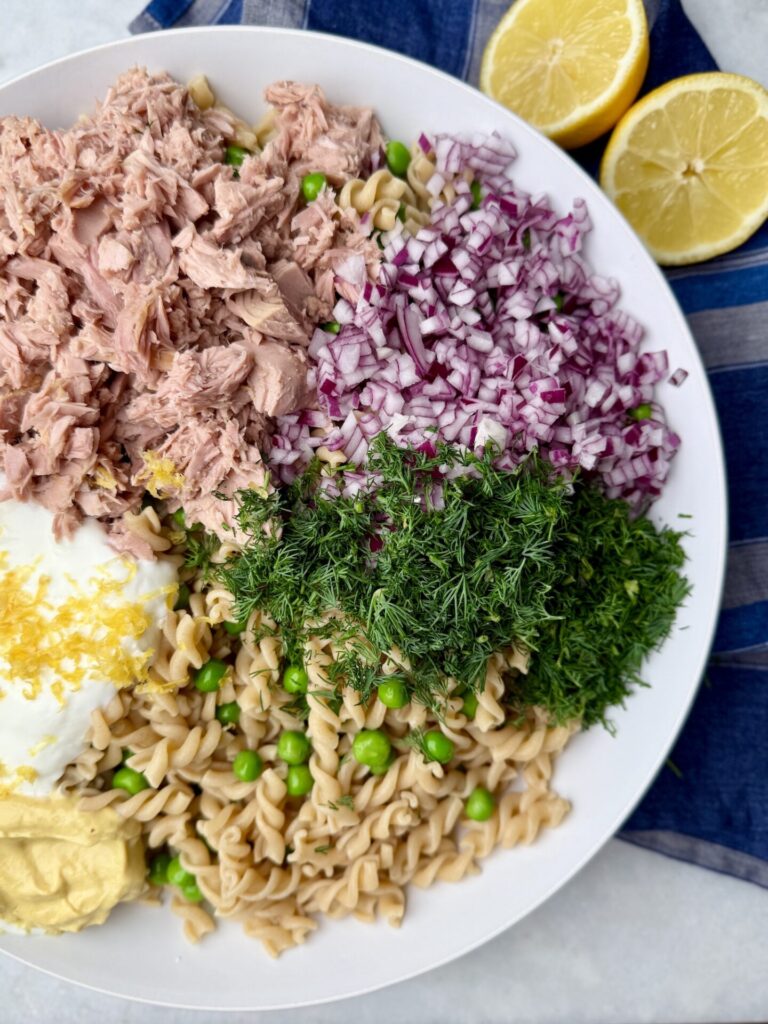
(200, 547)
(449, 567)
(298, 707)
(347, 800)
(414, 740)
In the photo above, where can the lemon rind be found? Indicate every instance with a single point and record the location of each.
(617, 145)
(587, 121)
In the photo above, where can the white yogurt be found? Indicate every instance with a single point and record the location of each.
(44, 733)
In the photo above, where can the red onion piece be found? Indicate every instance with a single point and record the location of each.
(490, 326)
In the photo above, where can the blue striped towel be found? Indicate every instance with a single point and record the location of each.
(709, 805)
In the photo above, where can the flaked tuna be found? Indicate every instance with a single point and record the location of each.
(155, 304)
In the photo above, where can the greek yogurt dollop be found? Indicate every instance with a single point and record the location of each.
(77, 621)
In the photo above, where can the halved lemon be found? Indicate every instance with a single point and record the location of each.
(688, 166)
(569, 67)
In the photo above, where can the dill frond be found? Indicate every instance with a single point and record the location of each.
(502, 558)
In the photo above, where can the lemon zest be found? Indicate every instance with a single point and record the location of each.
(159, 474)
(89, 635)
(38, 748)
(23, 774)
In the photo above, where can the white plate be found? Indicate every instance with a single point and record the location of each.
(140, 952)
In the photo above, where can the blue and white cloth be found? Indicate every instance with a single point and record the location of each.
(710, 804)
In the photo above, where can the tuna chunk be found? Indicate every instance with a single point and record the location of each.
(295, 285)
(195, 381)
(314, 230)
(263, 309)
(217, 456)
(154, 300)
(210, 266)
(241, 206)
(314, 135)
(278, 380)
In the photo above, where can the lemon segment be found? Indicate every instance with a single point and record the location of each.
(688, 166)
(570, 69)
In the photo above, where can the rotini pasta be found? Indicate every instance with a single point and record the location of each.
(426, 184)
(146, 527)
(273, 863)
(380, 198)
(204, 98)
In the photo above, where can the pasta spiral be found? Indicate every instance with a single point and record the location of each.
(379, 198)
(353, 844)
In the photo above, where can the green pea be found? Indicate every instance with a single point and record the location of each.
(299, 780)
(371, 747)
(191, 892)
(179, 518)
(398, 158)
(234, 155)
(293, 747)
(158, 869)
(131, 781)
(236, 628)
(332, 327)
(247, 765)
(312, 185)
(228, 714)
(182, 598)
(642, 412)
(559, 300)
(401, 213)
(526, 238)
(477, 194)
(393, 694)
(469, 704)
(208, 678)
(295, 679)
(381, 769)
(480, 804)
(178, 875)
(438, 747)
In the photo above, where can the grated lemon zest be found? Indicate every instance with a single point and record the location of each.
(38, 748)
(103, 478)
(156, 685)
(82, 637)
(25, 773)
(160, 475)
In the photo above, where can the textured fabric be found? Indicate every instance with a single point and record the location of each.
(709, 805)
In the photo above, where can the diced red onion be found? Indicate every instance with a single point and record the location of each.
(462, 332)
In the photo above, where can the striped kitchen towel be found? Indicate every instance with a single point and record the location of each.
(709, 805)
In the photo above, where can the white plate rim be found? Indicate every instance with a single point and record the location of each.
(589, 187)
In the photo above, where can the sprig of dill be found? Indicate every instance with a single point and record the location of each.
(200, 547)
(449, 567)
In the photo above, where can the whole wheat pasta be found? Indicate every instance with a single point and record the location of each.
(147, 527)
(421, 173)
(490, 712)
(353, 845)
(382, 199)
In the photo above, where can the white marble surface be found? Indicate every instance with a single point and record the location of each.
(635, 937)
